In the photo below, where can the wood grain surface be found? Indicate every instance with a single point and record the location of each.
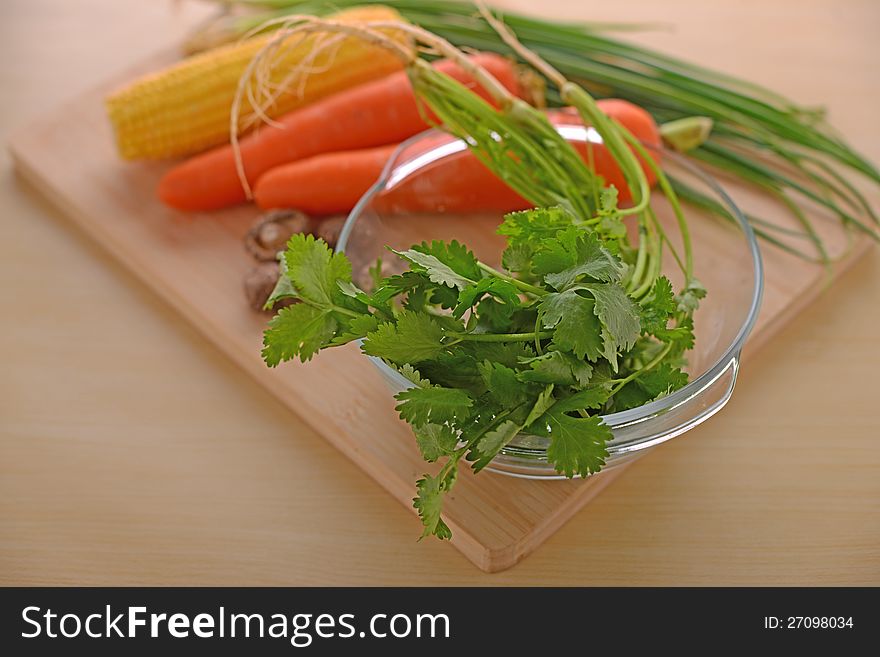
(196, 264)
(130, 453)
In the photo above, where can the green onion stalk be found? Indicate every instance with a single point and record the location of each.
(758, 137)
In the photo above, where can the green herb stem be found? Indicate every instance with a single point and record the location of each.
(656, 259)
(501, 337)
(330, 306)
(539, 322)
(520, 285)
(653, 363)
(614, 136)
(641, 257)
(671, 196)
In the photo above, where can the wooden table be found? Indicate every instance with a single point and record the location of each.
(133, 453)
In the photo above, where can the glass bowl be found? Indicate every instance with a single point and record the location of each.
(726, 261)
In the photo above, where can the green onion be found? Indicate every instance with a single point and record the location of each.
(758, 135)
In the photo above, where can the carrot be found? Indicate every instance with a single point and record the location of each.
(373, 114)
(325, 184)
(333, 182)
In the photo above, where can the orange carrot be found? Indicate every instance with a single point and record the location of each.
(333, 182)
(325, 184)
(373, 114)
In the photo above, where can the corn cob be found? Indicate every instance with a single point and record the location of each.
(185, 109)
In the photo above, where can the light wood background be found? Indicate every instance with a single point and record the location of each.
(133, 453)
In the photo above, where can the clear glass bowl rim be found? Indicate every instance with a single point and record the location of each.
(658, 406)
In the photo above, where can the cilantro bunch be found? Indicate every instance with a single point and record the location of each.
(573, 328)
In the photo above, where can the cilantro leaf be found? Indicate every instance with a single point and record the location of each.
(630, 396)
(283, 287)
(351, 290)
(412, 375)
(396, 285)
(415, 337)
(681, 336)
(577, 445)
(653, 384)
(577, 325)
(610, 224)
(495, 315)
(454, 255)
(314, 269)
(484, 415)
(503, 427)
(418, 298)
(493, 441)
(619, 317)
(532, 226)
(509, 354)
(608, 198)
(591, 397)
(454, 370)
(421, 406)
(444, 296)
(500, 289)
(572, 254)
(429, 503)
(689, 299)
(662, 380)
(437, 271)
(556, 367)
(420, 291)
(435, 440)
(517, 258)
(502, 384)
(297, 330)
(657, 306)
(555, 253)
(450, 264)
(356, 329)
(544, 401)
(612, 227)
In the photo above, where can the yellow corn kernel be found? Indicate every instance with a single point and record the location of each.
(186, 108)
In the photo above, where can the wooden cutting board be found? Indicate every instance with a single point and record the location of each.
(196, 264)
